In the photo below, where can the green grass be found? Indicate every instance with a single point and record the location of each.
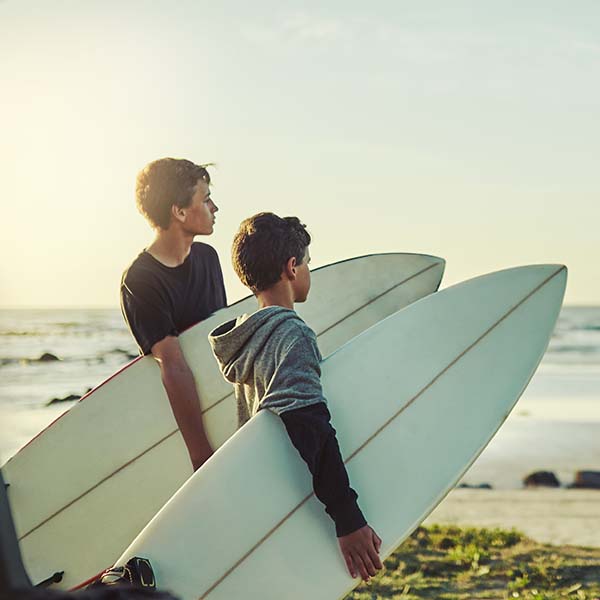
(456, 563)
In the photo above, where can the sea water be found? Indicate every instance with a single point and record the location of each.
(555, 425)
(90, 346)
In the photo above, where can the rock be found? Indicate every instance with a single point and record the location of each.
(68, 398)
(127, 354)
(542, 479)
(481, 486)
(587, 479)
(47, 357)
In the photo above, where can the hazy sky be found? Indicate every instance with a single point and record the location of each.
(469, 130)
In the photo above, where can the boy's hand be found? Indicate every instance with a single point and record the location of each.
(361, 552)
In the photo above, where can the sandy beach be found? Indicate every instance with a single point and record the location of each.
(551, 516)
(555, 426)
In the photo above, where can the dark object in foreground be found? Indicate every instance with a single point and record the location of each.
(12, 572)
(587, 479)
(137, 572)
(542, 479)
(16, 585)
(102, 593)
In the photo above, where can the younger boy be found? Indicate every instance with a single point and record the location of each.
(272, 358)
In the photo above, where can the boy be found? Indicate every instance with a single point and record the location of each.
(174, 283)
(272, 358)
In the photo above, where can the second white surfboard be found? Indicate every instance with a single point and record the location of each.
(414, 399)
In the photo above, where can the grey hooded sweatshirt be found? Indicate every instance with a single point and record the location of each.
(272, 358)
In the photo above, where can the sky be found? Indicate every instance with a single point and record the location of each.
(468, 130)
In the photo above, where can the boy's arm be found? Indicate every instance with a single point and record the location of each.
(296, 395)
(151, 323)
(312, 434)
(180, 386)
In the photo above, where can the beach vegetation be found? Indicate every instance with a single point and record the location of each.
(467, 563)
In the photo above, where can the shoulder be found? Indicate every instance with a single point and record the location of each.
(142, 271)
(303, 331)
(299, 336)
(204, 251)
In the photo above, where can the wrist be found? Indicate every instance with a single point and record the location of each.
(348, 518)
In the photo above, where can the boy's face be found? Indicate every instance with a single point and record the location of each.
(302, 281)
(200, 214)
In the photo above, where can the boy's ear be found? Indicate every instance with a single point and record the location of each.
(290, 268)
(178, 212)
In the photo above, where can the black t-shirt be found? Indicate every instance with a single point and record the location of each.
(158, 301)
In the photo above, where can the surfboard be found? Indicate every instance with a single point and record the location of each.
(414, 400)
(85, 487)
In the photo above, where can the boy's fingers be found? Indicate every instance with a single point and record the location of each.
(350, 564)
(362, 569)
(374, 556)
(377, 542)
(368, 562)
(373, 550)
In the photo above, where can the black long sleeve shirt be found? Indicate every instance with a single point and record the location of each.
(314, 437)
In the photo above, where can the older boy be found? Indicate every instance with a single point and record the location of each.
(272, 358)
(174, 283)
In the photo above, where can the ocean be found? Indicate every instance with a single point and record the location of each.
(554, 426)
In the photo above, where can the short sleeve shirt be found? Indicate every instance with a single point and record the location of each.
(159, 301)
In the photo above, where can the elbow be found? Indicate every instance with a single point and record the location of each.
(173, 371)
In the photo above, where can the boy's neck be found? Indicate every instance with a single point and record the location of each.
(281, 294)
(170, 247)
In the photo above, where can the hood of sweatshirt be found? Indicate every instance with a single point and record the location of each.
(236, 343)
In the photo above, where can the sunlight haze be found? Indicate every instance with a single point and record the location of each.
(466, 130)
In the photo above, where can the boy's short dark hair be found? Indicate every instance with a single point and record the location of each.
(263, 245)
(166, 182)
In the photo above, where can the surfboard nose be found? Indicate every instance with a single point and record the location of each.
(515, 284)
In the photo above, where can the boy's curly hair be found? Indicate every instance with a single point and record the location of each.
(166, 182)
(263, 245)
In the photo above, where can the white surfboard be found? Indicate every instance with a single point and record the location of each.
(85, 487)
(414, 400)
